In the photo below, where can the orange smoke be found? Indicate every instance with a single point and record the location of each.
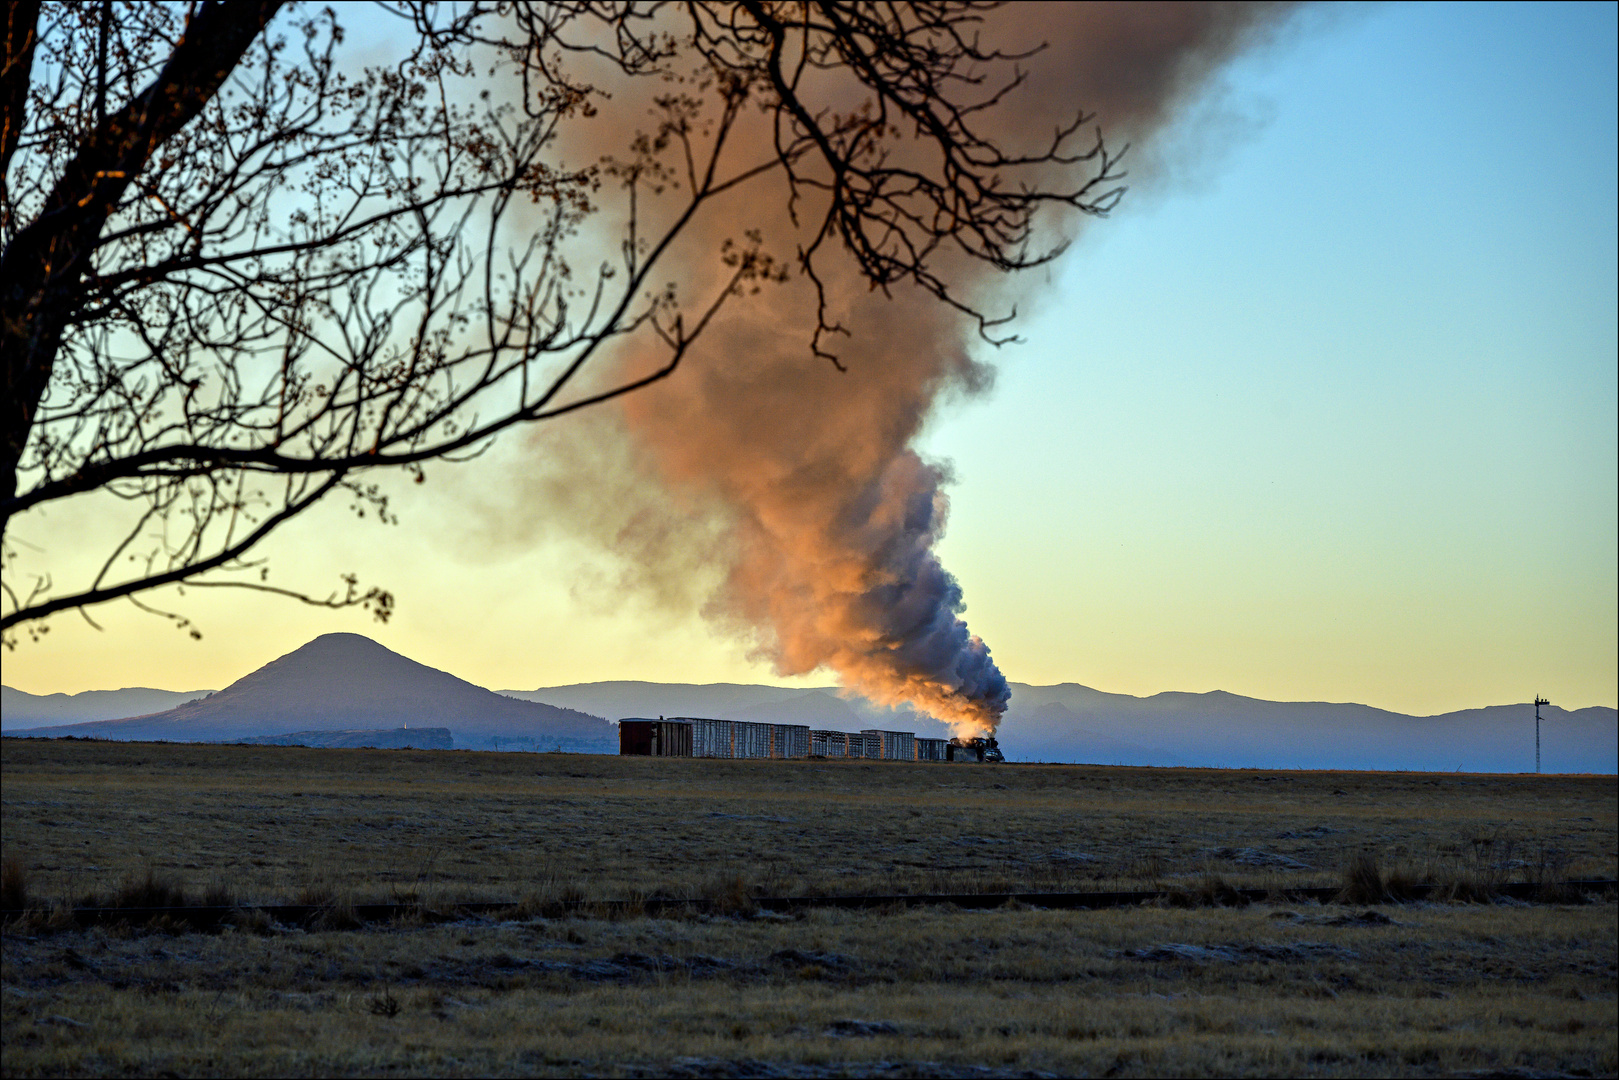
(832, 516)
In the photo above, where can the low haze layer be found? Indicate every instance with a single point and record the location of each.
(356, 692)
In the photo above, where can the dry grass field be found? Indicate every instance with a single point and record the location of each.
(1269, 989)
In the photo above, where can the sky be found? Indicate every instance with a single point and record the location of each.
(1325, 411)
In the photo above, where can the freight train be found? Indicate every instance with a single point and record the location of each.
(696, 736)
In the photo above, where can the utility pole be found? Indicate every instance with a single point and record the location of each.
(1539, 701)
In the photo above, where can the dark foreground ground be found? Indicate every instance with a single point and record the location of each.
(1495, 988)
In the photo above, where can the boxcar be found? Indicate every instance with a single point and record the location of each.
(893, 745)
(790, 740)
(654, 738)
(752, 740)
(863, 745)
(829, 744)
(711, 738)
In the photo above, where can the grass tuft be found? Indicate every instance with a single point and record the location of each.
(334, 904)
(1211, 890)
(1364, 882)
(148, 889)
(14, 883)
(1549, 872)
(384, 1003)
(552, 897)
(728, 894)
(219, 894)
(251, 920)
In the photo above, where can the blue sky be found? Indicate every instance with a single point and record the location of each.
(1334, 415)
(1326, 410)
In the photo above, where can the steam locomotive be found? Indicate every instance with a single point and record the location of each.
(985, 748)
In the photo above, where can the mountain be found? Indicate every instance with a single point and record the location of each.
(346, 682)
(818, 707)
(1082, 744)
(1071, 722)
(1231, 731)
(618, 699)
(423, 738)
(23, 710)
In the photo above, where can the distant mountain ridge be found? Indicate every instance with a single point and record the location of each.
(1071, 722)
(348, 686)
(820, 706)
(1229, 730)
(346, 682)
(19, 709)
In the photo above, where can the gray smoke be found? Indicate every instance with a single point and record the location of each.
(803, 482)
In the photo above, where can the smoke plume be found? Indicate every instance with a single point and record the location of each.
(830, 517)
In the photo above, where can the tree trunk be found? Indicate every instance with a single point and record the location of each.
(46, 268)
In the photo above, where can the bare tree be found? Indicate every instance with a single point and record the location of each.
(239, 276)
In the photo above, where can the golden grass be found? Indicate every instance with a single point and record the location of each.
(1425, 989)
(377, 825)
(1441, 989)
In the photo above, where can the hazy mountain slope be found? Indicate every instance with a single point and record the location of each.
(1071, 695)
(345, 682)
(348, 682)
(1075, 742)
(817, 708)
(1070, 722)
(821, 707)
(425, 738)
(615, 700)
(1229, 730)
(19, 709)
